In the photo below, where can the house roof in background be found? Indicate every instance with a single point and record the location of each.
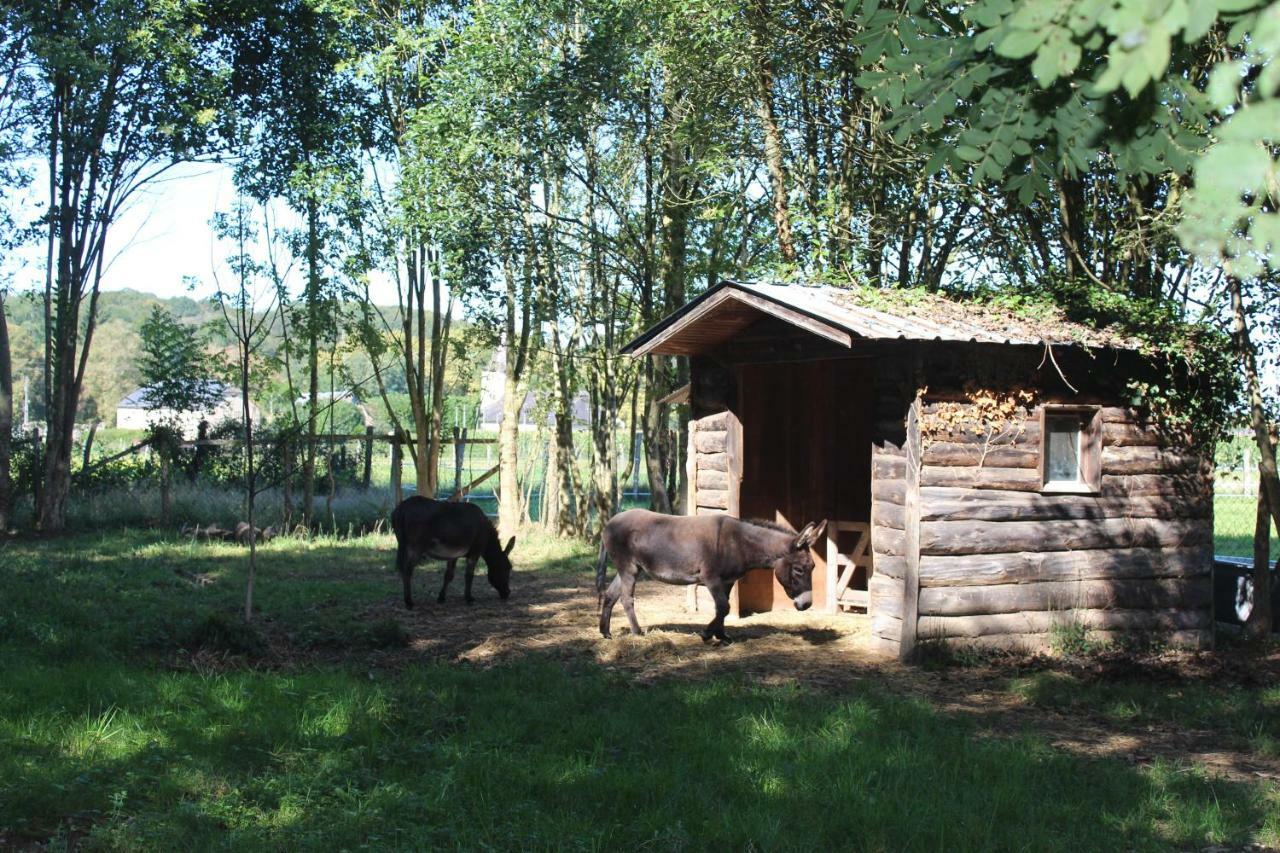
(843, 315)
(139, 398)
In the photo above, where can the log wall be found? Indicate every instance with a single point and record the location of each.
(891, 493)
(1002, 564)
(714, 464)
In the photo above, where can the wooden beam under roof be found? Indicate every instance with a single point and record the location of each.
(718, 316)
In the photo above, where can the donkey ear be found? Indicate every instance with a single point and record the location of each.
(809, 534)
(511, 543)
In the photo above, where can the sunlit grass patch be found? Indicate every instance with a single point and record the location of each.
(106, 727)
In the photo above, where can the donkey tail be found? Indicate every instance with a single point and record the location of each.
(601, 562)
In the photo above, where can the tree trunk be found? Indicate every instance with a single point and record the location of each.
(6, 421)
(509, 454)
(1267, 472)
(773, 146)
(653, 426)
(439, 357)
(1269, 483)
(166, 487)
(1258, 625)
(313, 360)
(250, 476)
(549, 509)
(516, 336)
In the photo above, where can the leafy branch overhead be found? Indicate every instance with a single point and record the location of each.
(1025, 94)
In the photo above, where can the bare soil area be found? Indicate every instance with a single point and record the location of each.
(555, 614)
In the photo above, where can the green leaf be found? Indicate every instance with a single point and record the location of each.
(1200, 18)
(1258, 122)
(968, 153)
(1235, 5)
(1035, 14)
(1232, 168)
(1019, 44)
(1083, 15)
(1266, 237)
(987, 14)
(1224, 84)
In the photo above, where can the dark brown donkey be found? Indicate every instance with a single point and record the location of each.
(713, 550)
(445, 530)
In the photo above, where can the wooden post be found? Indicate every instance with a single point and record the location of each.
(202, 450)
(166, 496)
(397, 455)
(286, 485)
(911, 507)
(368, 456)
(37, 481)
(691, 501)
(88, 445)
(459, 454)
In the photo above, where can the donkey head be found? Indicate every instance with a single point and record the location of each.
(794, 570)
(499, 563)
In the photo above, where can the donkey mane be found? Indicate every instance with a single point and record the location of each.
(771, 525)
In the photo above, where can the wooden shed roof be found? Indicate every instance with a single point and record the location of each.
(843, 315)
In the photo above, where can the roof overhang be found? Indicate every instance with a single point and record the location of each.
(680, 395)
(719, 314)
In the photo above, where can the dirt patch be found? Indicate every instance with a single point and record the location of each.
(555, 615)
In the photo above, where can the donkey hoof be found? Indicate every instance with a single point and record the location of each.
(706, 636)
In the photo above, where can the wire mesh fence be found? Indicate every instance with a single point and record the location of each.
(1235, 503)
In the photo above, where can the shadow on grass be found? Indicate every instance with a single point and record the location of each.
(540, 755)
(541, 747)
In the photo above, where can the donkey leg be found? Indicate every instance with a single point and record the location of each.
(629, 604)
(606, 606)
(448, 579)
(720, 596)
(471, 575)
(406, 575)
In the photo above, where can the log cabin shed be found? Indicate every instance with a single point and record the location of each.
(988, 478)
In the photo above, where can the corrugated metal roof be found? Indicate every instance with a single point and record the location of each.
(887, 315)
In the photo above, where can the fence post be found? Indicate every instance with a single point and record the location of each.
(37, 480)
(286, 490)
(368, 455)
(459, 450)
(396, 457)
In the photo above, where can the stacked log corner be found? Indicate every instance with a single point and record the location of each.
(715, 464)
(713, 469)
(1002, 564)
(892, 491)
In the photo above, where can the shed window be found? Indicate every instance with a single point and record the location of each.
(1070, 449)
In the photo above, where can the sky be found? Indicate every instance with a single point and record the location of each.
(163, 242)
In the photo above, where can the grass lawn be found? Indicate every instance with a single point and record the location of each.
(137, 713)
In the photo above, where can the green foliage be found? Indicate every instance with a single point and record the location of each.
(1042, 87)
(175, 365)
(1071, 639)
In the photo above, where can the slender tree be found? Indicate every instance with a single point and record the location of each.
(248, 311)
(122, 90)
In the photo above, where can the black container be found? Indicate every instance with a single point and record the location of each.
(1231, 581)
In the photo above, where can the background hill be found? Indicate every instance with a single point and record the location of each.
(112, 371)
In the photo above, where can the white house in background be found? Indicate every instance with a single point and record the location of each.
(133, 411)
(492, 383)
(325, 399)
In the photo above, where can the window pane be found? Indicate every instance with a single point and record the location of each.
(1063, 449)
